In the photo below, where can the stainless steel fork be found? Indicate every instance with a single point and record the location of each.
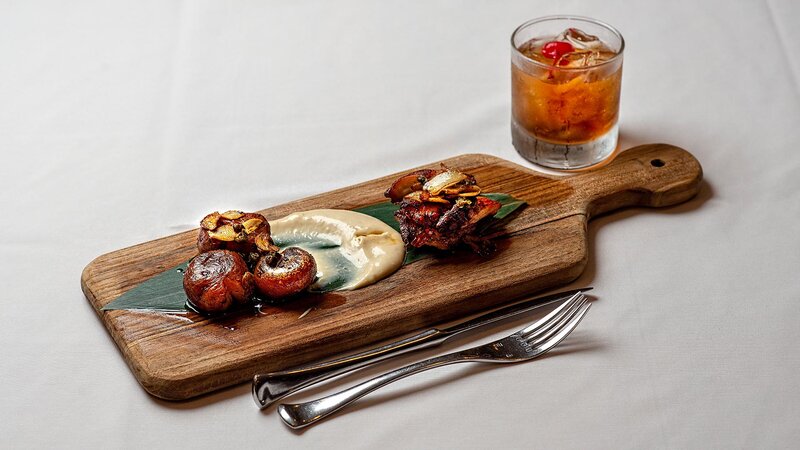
(528, 343)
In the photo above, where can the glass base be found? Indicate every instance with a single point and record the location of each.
(561, 156)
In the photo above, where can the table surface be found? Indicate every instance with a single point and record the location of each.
(123, 122)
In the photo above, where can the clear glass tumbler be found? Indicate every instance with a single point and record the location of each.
(566, 74)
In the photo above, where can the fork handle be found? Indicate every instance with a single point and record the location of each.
(268, 388)
(299, 415)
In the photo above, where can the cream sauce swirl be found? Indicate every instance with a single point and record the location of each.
(351, 249)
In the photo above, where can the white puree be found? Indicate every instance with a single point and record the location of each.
(351, 249)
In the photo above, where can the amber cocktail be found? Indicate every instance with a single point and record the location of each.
(566, 74)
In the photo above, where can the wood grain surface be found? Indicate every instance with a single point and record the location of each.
(181, 355)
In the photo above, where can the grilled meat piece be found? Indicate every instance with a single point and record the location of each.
(441, 208)
(444, 226)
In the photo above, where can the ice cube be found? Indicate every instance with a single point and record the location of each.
(580, 40)
(579, 58)
(575, 33)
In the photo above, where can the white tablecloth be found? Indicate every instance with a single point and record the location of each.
(121, 122)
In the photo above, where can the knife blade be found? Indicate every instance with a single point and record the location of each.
(271, 387)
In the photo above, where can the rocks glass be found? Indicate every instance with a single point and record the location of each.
(566, 73)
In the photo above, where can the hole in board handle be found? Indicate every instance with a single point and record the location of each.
(657, 163)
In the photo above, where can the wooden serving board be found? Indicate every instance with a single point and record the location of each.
(182, 355)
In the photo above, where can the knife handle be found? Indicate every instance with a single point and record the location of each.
(271, 387)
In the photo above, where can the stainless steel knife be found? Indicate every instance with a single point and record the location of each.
(271, 387)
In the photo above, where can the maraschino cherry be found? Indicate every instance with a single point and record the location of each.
(556, 49)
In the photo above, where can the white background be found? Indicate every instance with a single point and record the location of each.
(122, 122)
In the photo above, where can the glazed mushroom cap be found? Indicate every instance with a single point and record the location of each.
(286, 273)
(218, 280)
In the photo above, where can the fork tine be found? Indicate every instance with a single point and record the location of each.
(556, 324)
(553, 318)
(546, 320)
(566, 329)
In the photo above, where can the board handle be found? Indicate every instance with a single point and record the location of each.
(654, 175)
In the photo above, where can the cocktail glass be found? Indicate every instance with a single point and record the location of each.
(565, 95)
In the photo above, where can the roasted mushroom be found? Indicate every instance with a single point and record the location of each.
(286, 273)
(441, 208)
(218, 280)
(409, 183)
(246, 233)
